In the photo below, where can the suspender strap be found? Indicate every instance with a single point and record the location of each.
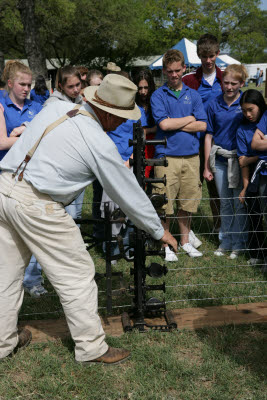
(76, 110)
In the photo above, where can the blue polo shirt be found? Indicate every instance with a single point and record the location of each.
(39, 98)
(165, 105)
(121, 137)
(262, 126)
(244, 137)
(223, 122)
(3, 92)
(208, 92)
(15, 117)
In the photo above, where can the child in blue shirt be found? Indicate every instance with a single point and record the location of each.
(146, 87)
(179, 115)
(207, 80)
(39, 93)
(224, 117)
(253, 107)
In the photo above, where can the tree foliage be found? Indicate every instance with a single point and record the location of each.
(80, 31)
(237, 24)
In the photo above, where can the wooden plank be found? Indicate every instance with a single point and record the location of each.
(196, 318)
(187, 318)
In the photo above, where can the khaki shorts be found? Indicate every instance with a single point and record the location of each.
(183, 183)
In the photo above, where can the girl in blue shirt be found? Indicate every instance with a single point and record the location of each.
(224, 117)
(39, 93)
(16, 111)
(146, 86)
(253, 107)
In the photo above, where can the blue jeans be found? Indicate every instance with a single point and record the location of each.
(33, 274)
(234, 219)
(75, 208)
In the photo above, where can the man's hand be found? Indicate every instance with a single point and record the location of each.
(167, 238)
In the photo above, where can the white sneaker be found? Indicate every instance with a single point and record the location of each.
(219, 252)
(255, 261)
(190, 250)
(194, 240)
(170, 255)
(234, 254)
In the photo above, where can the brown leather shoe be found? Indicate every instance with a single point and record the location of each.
(112, 357)
(25, 338)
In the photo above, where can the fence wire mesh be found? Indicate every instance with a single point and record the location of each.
(190, 282)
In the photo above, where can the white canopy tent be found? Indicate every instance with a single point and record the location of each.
(189, 50)
(228, 60)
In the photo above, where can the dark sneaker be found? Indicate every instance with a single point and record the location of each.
(112, 357)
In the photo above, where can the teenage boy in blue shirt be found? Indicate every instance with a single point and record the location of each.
(207, 80)
(179, 114)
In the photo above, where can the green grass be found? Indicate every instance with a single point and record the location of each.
(214, 364)
(252, 86)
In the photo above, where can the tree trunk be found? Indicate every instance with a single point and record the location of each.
(2, 63)
(36, 58)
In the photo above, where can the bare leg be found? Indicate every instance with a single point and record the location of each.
(184, 222)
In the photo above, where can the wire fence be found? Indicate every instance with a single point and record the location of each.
(189, 282)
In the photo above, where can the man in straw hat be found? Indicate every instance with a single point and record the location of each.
(39, 177)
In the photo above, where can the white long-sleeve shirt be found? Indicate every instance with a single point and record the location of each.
(71, 156)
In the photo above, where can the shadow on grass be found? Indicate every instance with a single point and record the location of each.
(245, 345)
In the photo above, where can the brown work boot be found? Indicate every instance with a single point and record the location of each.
(112, 357)
(25, 338)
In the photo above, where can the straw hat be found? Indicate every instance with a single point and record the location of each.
(115, 95)
(111, 66)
